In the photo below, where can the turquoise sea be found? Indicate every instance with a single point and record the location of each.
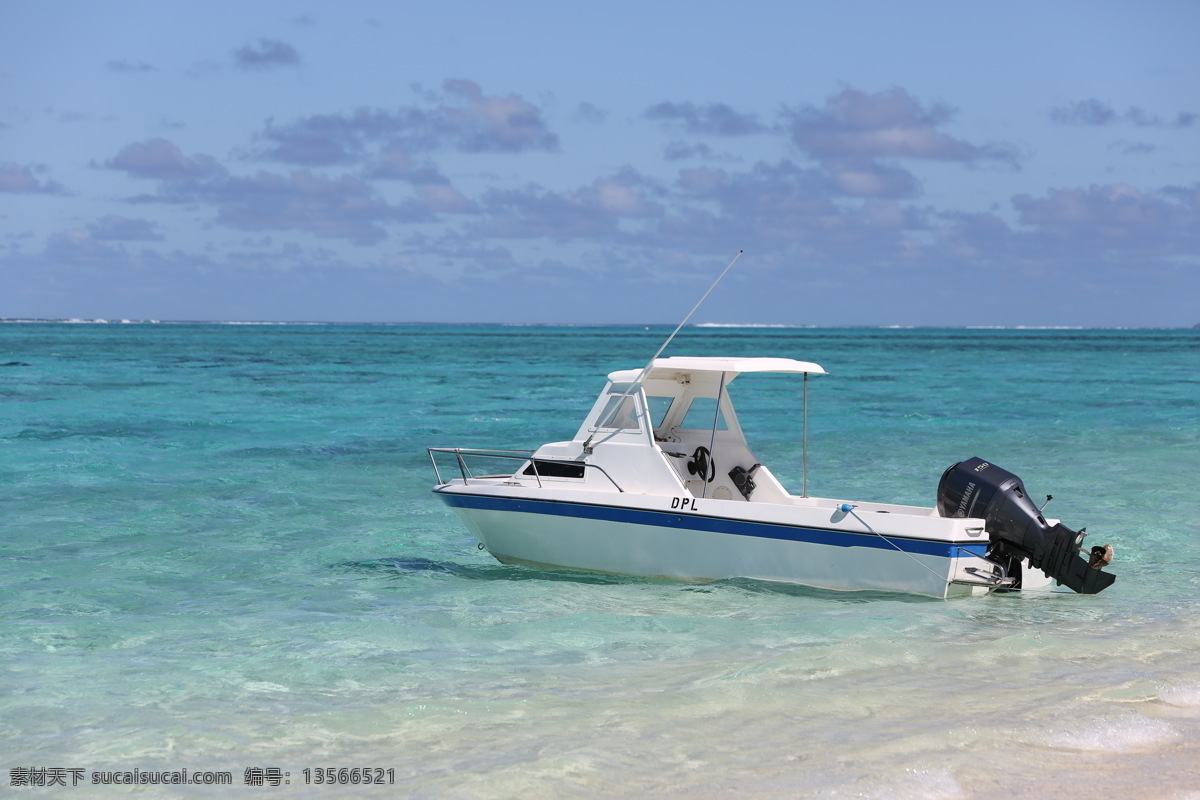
(219, 552)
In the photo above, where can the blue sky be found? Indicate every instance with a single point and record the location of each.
(925, 163)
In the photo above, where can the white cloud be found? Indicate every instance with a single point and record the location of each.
(18, 179)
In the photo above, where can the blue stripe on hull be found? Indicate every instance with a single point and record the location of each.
(697, 522)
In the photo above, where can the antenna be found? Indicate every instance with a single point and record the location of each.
(685, 319)
(587, 446)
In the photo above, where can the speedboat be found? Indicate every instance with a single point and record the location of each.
(660, 482)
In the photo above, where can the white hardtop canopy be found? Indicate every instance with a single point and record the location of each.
(667, 368)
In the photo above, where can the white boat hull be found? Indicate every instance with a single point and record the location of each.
(650, 539)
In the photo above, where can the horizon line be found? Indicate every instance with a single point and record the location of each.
(105, 321)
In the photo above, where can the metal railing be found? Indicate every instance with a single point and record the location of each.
(461, 454)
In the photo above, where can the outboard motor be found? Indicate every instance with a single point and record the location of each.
(978, 489)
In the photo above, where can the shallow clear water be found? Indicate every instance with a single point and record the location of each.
(218, 550)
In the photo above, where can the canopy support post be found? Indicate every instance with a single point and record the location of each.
(804, 458)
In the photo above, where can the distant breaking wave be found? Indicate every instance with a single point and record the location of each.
(748, 325)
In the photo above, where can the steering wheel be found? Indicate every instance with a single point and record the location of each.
(702, 465)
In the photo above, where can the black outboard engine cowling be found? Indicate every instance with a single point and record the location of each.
(978, 489)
